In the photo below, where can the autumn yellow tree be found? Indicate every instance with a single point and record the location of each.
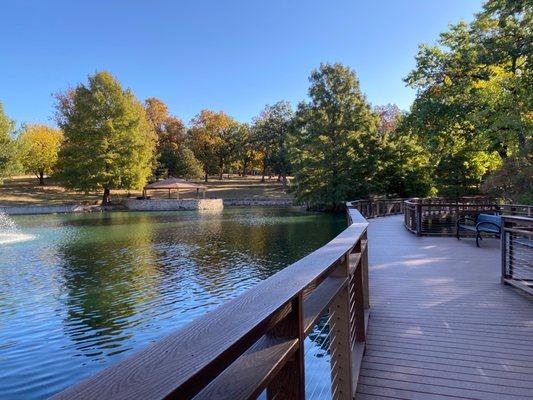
(210, 139)
(38, 149)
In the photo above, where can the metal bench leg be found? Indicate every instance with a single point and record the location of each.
(478, 236)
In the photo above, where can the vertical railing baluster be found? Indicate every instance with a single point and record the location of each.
(340, 345)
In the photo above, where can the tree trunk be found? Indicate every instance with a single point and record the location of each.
(205, 179)
(284, 180)
(106, 199)
(263, 175)
(220, 170)
(244, 165)
(279, 178)
(41, 178)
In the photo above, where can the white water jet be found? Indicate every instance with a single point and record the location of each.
(9, 232)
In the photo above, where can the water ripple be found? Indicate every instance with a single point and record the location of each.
(91, 288)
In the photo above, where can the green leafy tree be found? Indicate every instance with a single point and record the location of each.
(230, 140)
(186, 165)
(514, 180)
(473, 106)
(335, 150)
(38, 149)
(248, 154)
(213, 137)
(404, 167)
(271, 132)
(108, 141)
(7, 145)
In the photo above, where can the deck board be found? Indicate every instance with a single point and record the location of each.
(442, 325)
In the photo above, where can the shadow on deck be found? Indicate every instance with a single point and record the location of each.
(442, 325)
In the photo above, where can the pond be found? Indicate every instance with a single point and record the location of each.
(81, 291)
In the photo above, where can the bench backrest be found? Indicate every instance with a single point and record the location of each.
(495, 219)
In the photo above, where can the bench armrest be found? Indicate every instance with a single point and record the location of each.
(498, 227)
(465, 218)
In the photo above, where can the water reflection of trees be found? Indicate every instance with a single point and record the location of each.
(254, 244)
(108, 271)
(172, 266)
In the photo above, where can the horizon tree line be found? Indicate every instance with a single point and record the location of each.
(468, 131)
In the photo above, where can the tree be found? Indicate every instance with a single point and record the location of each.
(7, 146)
(334, 152)
(514, 179)
(473, 106)
(505, 43)
(171, 136)
(213, 139)
(38, 149)
(186, 165)
(271, 131)
(404, 167)
(389, 117)
(247, 152)
(108, 141)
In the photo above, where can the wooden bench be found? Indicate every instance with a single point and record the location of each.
(490, 224)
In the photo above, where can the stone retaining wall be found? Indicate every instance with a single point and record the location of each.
(53, 209)
(148, 205)
(173, 204)
(259, 202)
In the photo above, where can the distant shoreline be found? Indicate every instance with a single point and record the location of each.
(84, 208)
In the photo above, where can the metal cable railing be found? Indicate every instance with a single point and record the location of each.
(319, 379)
(517, 252)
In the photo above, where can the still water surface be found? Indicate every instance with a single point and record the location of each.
(85, 290)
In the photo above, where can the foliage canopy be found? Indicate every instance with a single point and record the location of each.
(109, 142)
(38, 147)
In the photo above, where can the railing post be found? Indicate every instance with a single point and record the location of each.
(289, 383)
(418, 218)
(510, 251)
(503, 248)
(340, 340)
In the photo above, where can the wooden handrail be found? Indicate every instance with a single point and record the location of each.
(255, 341)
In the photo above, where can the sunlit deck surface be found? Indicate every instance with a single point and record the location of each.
(442, 325)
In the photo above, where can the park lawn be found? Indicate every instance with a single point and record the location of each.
(25, 190)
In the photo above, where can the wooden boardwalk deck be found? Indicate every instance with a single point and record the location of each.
(442, 326)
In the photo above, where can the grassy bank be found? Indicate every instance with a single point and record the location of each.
(25, 190)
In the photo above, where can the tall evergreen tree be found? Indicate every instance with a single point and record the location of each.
(335, 150)
(109, 142)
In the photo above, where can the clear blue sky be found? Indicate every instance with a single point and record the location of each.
(234, 56)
